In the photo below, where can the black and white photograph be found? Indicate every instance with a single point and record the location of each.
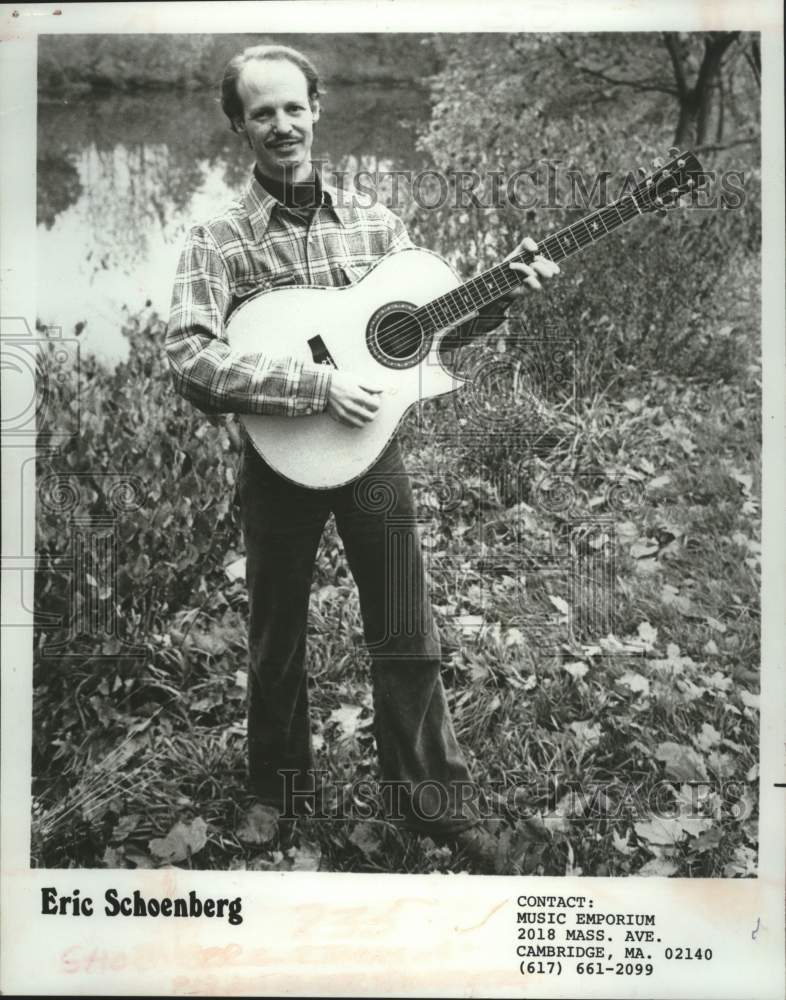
(394, 479)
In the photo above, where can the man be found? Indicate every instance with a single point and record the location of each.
(288, 227)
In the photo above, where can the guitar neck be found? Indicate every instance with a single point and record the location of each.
(461, 303)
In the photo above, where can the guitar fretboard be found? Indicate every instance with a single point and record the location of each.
(458, 305)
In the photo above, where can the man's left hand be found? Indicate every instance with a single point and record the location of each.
(539, 268)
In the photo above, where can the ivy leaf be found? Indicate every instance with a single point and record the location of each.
(183, 841)
(681, 762)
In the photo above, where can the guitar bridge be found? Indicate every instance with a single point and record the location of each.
(320, 353)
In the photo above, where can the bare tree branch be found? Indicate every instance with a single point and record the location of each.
(715, 148)
(644, 85)
(753, 58)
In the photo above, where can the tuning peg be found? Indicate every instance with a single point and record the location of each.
(641, 172)
(674, 151)
(657, 162)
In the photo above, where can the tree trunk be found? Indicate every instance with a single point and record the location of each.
(697, 102)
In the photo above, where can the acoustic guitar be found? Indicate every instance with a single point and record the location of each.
(388, 326)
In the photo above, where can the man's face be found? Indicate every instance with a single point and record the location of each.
(278, 117)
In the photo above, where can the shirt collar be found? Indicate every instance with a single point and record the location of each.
(260, 204)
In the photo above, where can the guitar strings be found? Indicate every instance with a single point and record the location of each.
(412, 329)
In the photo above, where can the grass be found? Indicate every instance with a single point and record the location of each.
(600, 733)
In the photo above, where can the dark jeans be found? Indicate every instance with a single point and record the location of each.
(282, 525)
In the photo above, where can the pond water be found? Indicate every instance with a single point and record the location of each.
(121, 177)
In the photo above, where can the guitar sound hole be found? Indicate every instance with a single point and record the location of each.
(395, 337)
(399, 336)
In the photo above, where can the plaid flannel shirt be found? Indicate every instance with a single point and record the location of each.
(258, 243)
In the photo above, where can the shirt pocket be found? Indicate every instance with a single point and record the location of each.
(247, 288)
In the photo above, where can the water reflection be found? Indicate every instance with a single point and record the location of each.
(120, 179)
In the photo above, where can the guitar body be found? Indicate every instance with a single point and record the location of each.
(388, 326)
(365, 328)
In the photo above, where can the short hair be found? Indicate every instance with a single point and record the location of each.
(231, 102)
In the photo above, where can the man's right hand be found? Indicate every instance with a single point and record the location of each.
(352, 400)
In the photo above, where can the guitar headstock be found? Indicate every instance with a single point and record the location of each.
(663, 188)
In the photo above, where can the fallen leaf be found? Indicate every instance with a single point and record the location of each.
(469, 623)
(236, 570)
(366, 838)
(721, 764)
(681, 762)
(636, 682)
(742, 864)
(672, 597)
(347, 717)
(561, 605)
(657, 868)
(125, 826)
(587, 734)
(718, 681)
(708, 737)
(306, 857)
(745, 480)
(626, 532)
(647, 634)
(183, 841)
(259, 825)
(661, 830)
(576, 670)
(113, 858)
(621, 845)
(715, 625)
(749, 700)
(644, 547)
